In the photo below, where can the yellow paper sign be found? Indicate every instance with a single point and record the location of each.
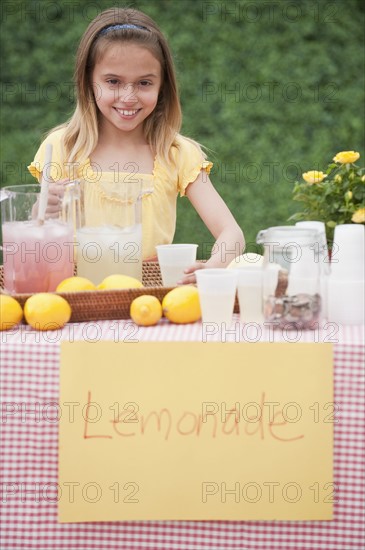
(196, 431)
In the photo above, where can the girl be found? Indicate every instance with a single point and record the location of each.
(126, 122)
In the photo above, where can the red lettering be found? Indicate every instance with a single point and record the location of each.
(120, 421)
(235, 427)
(86, 436)
(195, 424)
(260, 422)
(273, 424)
(158, 418)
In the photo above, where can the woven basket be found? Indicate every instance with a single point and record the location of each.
(98, 305)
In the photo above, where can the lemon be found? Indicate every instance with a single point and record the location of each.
(181, 305)
(119, 281)
(146, 310)
(46, 311)
(11, 312)
(74, 284)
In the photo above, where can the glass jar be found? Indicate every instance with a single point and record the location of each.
(291, 277)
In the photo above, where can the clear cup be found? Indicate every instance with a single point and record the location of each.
(249, 289)
(173, 259)
(217, 293)
(321, 243)
(37, 255)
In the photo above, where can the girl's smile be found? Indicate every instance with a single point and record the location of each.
(126, 83)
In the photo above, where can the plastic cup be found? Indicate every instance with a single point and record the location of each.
(249, 288)
(173, 259)
(217, 293)
(348, 252)
(346, 301)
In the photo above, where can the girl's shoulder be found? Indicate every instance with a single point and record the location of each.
(188, 160)
(185, 151)
(183, 144)
(55, 138)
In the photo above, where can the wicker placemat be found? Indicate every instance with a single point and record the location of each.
(99, 305)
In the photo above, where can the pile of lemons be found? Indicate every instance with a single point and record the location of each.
(180, 305)
(112, 282)
(42, 311)
(48, 311)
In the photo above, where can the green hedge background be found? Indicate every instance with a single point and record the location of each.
(271, 88)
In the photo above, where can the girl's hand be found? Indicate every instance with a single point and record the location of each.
(54, 204)
(190, 278)
(55, 195)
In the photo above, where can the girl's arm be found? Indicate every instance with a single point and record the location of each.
(219, 220)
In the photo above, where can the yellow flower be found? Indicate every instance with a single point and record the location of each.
(313, 176)
(359, 216)
(348, 195)
(346, 157)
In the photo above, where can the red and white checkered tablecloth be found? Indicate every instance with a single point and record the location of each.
(29, 450)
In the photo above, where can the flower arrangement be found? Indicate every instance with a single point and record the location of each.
(335, 196)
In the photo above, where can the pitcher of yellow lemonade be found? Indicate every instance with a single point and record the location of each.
(109, 229)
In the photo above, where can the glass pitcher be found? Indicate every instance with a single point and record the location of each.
(109, 229)
(37, 255)
(291, 277)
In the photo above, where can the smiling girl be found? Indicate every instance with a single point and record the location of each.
(126, 123)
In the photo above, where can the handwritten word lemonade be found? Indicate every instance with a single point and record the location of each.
(37, 257)
(107, 250)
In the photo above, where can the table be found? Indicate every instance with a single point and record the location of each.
(29, 452)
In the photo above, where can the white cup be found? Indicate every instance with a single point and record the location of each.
(346, 302)
(217, 293)
(249, 288)
(348, 252)
(173, 259)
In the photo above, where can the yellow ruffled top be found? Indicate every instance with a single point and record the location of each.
(159, 189)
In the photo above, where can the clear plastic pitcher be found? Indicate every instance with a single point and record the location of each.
(291, 276)
(109, 229)
(37, 255)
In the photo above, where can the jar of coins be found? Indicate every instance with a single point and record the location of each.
(291, 276)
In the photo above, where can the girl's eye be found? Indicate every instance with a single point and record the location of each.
(145, 83)
(112, 82)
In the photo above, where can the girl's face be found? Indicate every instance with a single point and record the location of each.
(126, 83)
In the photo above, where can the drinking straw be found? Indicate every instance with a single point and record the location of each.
(43, 197)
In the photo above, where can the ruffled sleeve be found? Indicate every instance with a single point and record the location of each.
(57, 171)
(190, 162)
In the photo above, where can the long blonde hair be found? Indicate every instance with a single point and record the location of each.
(163, 124)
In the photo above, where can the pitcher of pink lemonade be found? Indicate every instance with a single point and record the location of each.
(37, 255)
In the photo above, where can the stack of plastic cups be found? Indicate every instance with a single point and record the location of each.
(346, 303)
(322, 258)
